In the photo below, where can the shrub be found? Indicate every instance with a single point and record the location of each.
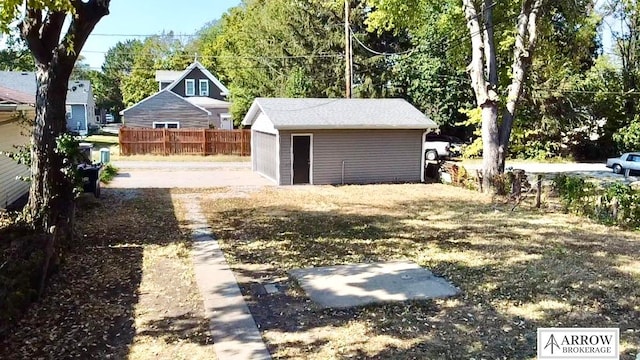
(612, 204)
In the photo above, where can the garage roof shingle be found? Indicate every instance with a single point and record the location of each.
(299, 114)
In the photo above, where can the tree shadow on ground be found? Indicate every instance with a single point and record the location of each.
(90, 305)
(517, 273)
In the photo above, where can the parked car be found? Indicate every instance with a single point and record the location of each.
(629, 161)
(442, 147)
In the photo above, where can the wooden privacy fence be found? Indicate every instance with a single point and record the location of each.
(135, 141)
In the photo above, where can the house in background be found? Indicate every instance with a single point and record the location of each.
(12, 134)
(193, 98)
(80, 103)
(337, 141)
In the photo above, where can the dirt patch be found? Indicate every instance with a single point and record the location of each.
(125, 289)
(518, 271)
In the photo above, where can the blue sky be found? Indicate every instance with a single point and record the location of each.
(144, 17)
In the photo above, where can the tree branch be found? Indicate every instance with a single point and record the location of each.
(52, 28)
(87, 14)
(30, 30)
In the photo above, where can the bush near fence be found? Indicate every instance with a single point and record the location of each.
(134, 141)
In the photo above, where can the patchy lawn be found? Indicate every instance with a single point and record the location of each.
(126, 290)
(517, 271)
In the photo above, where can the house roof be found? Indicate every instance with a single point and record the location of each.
(196, 64)
(15, 97)
(162, 92)
(167, 75)
(300, 114)
(208, 103)
(79, 91)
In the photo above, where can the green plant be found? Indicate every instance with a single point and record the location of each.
(108, 173)
(613, 204)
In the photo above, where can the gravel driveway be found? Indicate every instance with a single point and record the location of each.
(135, 175)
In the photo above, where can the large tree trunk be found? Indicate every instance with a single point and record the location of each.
(524, 44)
(484, 79)
(51, 199)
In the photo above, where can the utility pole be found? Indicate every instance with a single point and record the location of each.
(347, 51)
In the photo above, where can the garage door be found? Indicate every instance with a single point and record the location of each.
(264, 154)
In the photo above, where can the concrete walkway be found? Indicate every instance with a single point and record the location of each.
(235, 334)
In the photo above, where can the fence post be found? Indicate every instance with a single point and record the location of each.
(204, 142)
(539, 193)
(164, 141)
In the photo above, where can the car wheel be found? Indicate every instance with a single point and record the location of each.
(617, 169)
(432, 155)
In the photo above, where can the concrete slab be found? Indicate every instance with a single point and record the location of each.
(235, 334)
(360, 284)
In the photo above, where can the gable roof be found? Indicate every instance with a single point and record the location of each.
(208, 103)
(299, 114)
(206, 72)
(15, 96)
(78, 91)
(162, 92)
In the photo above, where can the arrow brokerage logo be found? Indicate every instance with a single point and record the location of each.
(578, 343)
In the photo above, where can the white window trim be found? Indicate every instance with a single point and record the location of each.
(200, 82)
(166, 124)
(186, 87)
(310, 135)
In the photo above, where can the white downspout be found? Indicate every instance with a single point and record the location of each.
(422, 156)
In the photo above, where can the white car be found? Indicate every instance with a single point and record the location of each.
(441, 146)
(626, 161)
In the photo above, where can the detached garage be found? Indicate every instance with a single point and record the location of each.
(337, 141)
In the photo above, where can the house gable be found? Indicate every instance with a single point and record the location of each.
(198, 76)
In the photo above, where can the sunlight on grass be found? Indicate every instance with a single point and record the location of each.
(534, 311)
(518, 270)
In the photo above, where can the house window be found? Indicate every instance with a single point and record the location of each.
(190, 87)
(204, 87)
(166, 125)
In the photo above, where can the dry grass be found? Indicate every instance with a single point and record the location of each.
(126, 290)
(517, 271)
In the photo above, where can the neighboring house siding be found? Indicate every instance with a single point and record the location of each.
(77, 120)
(165, 107)
(369, 156)
(11, 189)
(197, 75)
(265, 161)
(215, 116)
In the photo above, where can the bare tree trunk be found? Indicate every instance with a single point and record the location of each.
(526, 36)
(483, 67)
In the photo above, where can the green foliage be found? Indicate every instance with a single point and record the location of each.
(16, 56)
(67, 146)
(108, 173)
(612, 204)
(628, 138)
(160, 52)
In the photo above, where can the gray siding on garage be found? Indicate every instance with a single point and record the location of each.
(370, 156)
(265, 159)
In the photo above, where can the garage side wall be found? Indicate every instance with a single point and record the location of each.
(370, 156)
(265, 157)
